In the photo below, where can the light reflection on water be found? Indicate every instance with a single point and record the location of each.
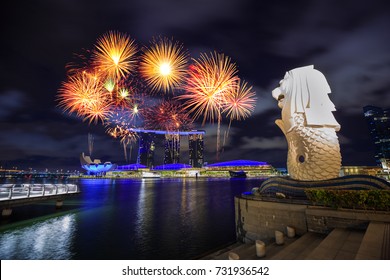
(50, 239)
(128, 219)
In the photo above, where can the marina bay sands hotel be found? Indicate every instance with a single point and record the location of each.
(147, 146)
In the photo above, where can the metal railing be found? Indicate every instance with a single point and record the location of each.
(18, 191)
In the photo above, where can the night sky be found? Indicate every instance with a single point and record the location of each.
(348, 41)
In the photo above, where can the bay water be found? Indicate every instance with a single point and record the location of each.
(120, 219)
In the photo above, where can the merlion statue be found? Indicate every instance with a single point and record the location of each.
(309, 125)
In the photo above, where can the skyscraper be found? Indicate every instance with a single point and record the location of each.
(196, 146)
(146, 149)
(172, 148)
(378, 121)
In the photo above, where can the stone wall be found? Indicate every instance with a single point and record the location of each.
(324, 219)
(258, 219)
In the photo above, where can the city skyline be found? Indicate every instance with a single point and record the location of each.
(346, 41)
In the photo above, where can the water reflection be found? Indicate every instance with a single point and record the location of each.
(46, 240)
(129, 219)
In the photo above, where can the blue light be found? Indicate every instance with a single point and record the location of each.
(238, 163)
(172, 166)
(134, 166)
(95, 168)
(168, 132)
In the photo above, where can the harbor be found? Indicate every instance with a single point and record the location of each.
(165, 218)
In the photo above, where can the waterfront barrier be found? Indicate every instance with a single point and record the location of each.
(279, 238)
(17, 191)
(233, 256)
(290, 232)
(260, 248)
(22, 194)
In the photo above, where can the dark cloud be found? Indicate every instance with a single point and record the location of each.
(346, 40)
(10, 102)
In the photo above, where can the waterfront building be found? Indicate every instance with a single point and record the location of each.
(147, 146)
(378, 121)
(361, 170)
(252, 168)
(146, 149)
(196, 147)
(95, 167)
(172, 148)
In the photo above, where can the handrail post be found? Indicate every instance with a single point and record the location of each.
(10, 193)
(28, 190)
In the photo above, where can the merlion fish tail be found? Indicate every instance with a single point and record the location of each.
(313, 152)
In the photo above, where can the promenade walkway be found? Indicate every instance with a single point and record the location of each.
(12, 195)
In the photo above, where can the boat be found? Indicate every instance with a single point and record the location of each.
(237, 174)
(150, 174)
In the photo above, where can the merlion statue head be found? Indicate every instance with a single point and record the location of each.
(305, 90)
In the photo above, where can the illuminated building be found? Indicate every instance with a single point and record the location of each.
(172, 148)
(146, 149)
(253, 168)
(360, 170)
(95, 167)
(378, 121)
(196, 146)
(147, 145)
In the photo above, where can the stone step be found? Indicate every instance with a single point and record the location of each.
(247, 251)
(376, 242)
(340, 244)
(301, 248)
(238, 248)
(386, 243)
(221, 253)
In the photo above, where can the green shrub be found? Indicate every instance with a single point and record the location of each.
(359, 199)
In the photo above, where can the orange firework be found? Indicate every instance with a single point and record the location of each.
(241, 102)
(82, 94)
(115, 54)
(126, 135)
(163, 65)
(167, 115)
(210, 81)
(98, 110)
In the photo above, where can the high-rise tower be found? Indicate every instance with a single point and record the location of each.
(378, 120)
(146, 149)
(196, 146)
(172, 148)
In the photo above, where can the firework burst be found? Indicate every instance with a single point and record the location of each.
(126, 136)
(168, 116)
(210, 80)
(115, 55)
(163, 65)
(110, 84)
(82, 94)
(241, 102)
